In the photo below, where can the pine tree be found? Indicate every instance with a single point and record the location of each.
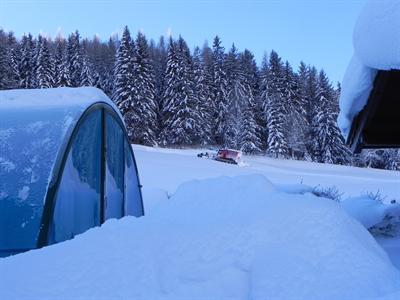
(329, 145)
(107, 77)
(262, 100)
(182, 121)
(218, 88)
(88, 76)
(235, 93)
(250, 138)
(144, 108)
(158, 55)
(27, 63)
(276, 108)
(311, 89)
(44, 66)
(62, 78)
(123, 74)
(296, 120)
(3, 62)
(202, 95)
(74, 59)
(10, 60)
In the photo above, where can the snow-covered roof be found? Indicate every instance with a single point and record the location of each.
(376, 41)
(34, 125)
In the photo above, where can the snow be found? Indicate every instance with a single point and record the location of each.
(377, 35)
(369, 212)
(221, 231)
(166, 169)
(376, 41)
(62, 97)
(357, 85)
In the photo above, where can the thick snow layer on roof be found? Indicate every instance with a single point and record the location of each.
(51, 98)
(34, 125)
(221, 238)
(377, 35)
(357, 85)
(376, 42)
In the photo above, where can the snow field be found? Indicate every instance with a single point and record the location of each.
(207, 234)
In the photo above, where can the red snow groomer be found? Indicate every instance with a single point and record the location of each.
(229, 156)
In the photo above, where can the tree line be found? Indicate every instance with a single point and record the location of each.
(172, 96)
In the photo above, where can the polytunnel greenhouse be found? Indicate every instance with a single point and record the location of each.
(66, 165)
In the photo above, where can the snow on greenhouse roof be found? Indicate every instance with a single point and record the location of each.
(34, 126)
(51, 98)
(376, 42)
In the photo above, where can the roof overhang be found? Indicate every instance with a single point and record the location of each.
(378, 124)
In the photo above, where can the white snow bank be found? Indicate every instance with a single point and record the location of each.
(223, 238)
(357, 85)
(377, 35)
(370, 212)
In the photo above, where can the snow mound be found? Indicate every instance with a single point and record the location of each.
(377, 35)
(222, 238)
(370, 212)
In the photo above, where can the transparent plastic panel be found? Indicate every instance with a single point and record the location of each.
(133, 200)
(29, 143)
(114, 181)
(77, 206)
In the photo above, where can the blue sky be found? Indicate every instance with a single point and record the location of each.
(318, 32)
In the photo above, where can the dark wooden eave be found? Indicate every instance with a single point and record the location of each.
(378, 124)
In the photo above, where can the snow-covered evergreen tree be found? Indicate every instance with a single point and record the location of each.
(106, 78)
(88, 76)
(276, 108)
(44, 65)
(74, 59)
(296, 119)
(27, 63)
(123, 82)
(218, 88)
(143, 111)
(62, 78)
(328, 143)
(181, 120)
(202, 95)
(235, 94)
(158, 57)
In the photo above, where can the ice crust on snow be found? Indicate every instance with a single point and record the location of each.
(376, 41)
(221, 238)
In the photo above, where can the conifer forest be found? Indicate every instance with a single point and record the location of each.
(172, 95)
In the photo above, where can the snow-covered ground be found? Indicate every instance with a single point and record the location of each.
(166, 169)
(220, 231)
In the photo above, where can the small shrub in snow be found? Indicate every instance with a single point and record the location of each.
(389, 227)
(327, 192)
(377, 196)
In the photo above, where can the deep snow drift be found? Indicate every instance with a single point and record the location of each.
(243, 237)
(236, 238)
(376, 41)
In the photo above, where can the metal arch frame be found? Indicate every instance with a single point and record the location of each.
(58, 170)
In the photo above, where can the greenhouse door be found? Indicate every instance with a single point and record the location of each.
(114, 168)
